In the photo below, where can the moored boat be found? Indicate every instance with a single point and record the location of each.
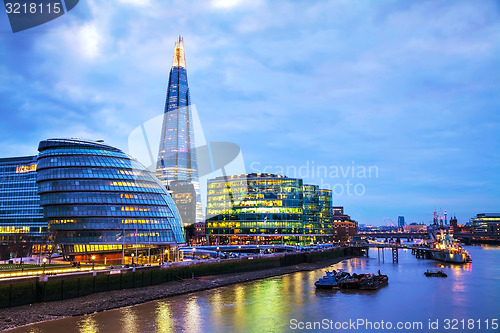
(331, 279)
(435, 273)
(373, 282)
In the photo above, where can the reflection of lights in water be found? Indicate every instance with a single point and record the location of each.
(285, 283)
(88, 325)
(192, 315)
(129, 320)
(297, 287)
(265, 307)
(164, 319)
(239, 307)
(217, 309)
(216, 299)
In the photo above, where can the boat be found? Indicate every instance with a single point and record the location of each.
(448, 249)
(435, 273)
(351, 282)
(331, 279)
(364, 281)
(343, 280)
(373, 282)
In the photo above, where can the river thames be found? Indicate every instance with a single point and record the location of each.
(468, 300)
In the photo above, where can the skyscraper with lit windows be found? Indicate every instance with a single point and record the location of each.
(177, 166)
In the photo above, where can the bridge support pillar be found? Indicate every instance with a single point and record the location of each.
(395, 255)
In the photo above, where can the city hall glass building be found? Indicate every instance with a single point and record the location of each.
(267, 209)
(21, 217)
(99, 200)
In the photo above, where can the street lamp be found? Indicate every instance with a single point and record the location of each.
(132, 259)
(93, 262)
(44, 262)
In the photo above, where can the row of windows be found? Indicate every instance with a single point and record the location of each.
(82, 239)
(107, 210)
(261, 210)
(19, 184)
(99, 185)
(80, 151)
(90, 161)
(75, 173)
(116, 223)
(264, 182)
(102, 197)
(277, 231)
(268, 224)
(256, 217)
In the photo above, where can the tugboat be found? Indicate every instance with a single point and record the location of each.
(435, 273)
(331, 279)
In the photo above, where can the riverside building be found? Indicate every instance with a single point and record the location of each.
(23, 230)
(487, 223)
(100, 201)
(267, 209)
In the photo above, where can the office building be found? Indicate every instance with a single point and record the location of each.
(23, 230)
(266, 209)
(487, 223)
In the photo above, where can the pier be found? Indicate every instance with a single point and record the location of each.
(420, 252)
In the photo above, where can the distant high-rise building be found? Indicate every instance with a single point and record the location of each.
(176, 166)
(401, 221)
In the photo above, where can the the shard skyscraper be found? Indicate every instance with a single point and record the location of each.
(177, 165)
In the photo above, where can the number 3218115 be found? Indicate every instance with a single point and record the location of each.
(32, 8)
(470, 324)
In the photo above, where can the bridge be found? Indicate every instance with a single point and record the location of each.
(478, 237)
(393, 234)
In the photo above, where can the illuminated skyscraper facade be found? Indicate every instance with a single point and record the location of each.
(177, 166)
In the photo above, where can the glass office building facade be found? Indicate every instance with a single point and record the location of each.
(266, 209)
(177, 154)
(21, 217)
(325, 212)
(487, 223)
(97, 199)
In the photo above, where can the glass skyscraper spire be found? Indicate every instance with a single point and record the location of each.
(177, 166)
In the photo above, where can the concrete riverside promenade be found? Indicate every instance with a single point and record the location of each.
(46, 288)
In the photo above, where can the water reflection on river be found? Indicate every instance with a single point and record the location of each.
(471, 291)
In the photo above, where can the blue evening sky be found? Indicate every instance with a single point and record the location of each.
(408, 88)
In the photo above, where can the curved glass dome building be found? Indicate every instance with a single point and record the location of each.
(97, 199)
